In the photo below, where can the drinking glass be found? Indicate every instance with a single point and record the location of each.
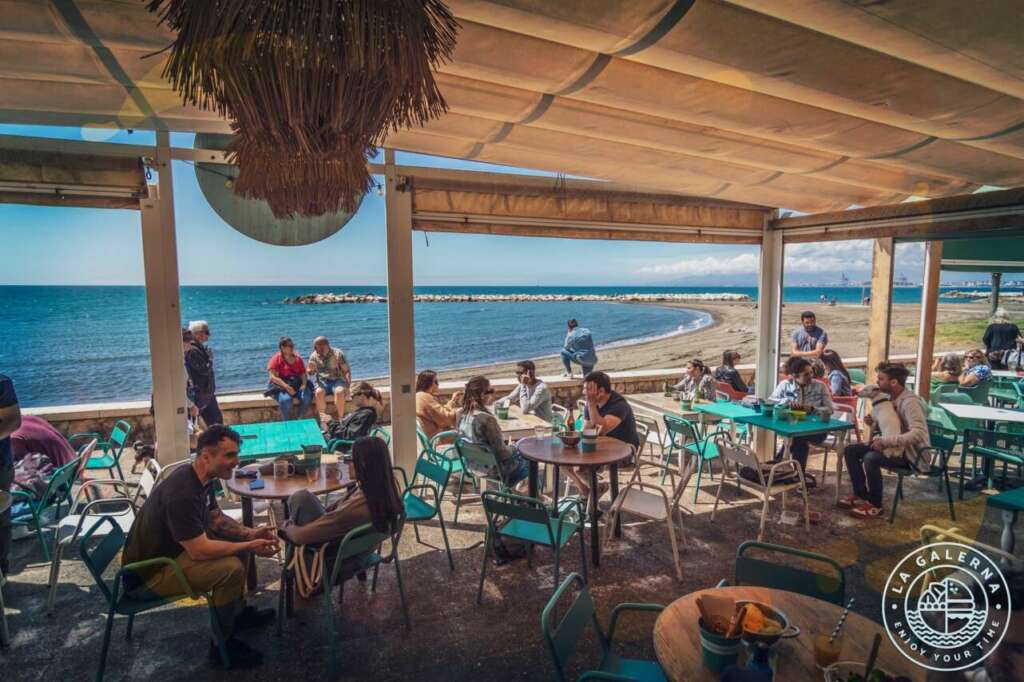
(826, 653)
(280, 469)
(539, 432)
(312, 475)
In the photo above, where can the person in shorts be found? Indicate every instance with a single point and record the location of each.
(331, 375)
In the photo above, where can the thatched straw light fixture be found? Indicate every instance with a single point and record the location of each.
(311, 87)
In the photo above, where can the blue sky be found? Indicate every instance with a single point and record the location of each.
(49, 245)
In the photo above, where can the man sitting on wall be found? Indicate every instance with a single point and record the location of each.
(182, 521)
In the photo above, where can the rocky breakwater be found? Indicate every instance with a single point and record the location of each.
(321, 299)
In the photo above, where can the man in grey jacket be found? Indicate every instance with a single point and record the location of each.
(864, 461)
(532, 395)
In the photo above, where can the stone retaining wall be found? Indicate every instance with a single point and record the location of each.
(247, 408)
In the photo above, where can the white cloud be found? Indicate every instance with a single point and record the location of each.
(744, 264)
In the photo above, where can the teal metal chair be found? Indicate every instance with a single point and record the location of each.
(939, 469)
(830, 586)
(345, 444)
(1004, 391)
(358, 552)
(562, 639)
(529, 520)
(994, 447)
(109, 456)
(419, 508)
(98, 557)
(857, 376)
(684, 436)
(27, 509)
(441, 450)
(471, 453)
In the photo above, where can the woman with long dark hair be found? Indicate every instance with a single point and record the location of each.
(697, 383)
(838, 376)
(728, 374)
(375, 499)
(479, 426)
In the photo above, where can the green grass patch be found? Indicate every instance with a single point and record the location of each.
(961, 334)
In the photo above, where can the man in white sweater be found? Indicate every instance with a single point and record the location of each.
(864, 461)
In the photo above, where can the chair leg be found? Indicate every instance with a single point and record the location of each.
(401, 591)
(332, 633)
(949, 495)
(718, 496)
(558, 556)
(416, 532)
(896, 497)
(764, 517)
(373, 583)
(58, 551)
(117, 463)
(5, 634)
(444, 534)
(38, 523)
(824, 465)
(128, 629)
(279, 626)
(672, 540)
(700, 470)
(458, 495)
(807, 509)
(583, 554)
(106, 645)
(483, 568)
(960, 487)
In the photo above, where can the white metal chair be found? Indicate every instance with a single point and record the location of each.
(121, 509)
(842, 413)
(649, 500)
(765, 488)
(653, 436)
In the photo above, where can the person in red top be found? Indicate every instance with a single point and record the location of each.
(288, 380)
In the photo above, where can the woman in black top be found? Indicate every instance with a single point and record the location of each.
(728, 374)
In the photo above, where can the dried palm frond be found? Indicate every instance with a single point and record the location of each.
(310, 86)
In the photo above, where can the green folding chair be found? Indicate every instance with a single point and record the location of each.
(109, 456)
(441, 450)
(684, 436)
(938, 469)
(829, 586)
(419, 508)
(1004, 391)
(562, 639)
(484, 459)
(529, 520)
(98, 556)
(28, 510)
(857, 376)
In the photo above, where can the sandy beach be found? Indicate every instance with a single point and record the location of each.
(735, 327)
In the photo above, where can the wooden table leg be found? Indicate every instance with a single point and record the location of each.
(595, 539)
(247, 521)
(532, 479)
(615, 493)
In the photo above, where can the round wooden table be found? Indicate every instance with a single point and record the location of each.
(279, 489)
(677, 639)
(550, 450)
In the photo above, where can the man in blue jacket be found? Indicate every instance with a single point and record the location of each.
(579, 348)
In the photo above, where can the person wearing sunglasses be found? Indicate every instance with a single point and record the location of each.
(181, 520)
(480, 427)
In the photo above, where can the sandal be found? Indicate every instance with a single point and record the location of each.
(866, 510)
(850, 501)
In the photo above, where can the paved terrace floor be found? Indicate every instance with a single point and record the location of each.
(452, 638)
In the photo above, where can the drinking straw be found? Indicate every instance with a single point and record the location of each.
(842, 619)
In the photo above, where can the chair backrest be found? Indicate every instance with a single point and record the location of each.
(433, 472)
(941, 437)
(169, 469)
(857, 375)
(84, 453)
(560, 414)
(1012, 443)
(98, 557)
(119, 434)
(59, 486)
(511, 506)
(642, 430)
(830, 587)
(738, 454)
(679, 426)
(562, 639)
(476, 454)
(729, 391)
(424, 441)
(380, 432)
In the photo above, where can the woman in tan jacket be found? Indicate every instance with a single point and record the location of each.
(433, 416)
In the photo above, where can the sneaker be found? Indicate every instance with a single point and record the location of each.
(567, 375)
(252, 618)
(241, 655)
(866, 510)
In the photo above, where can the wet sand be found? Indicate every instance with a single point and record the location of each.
(735, 327)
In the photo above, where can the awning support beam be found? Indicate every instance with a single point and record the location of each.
(160, 254)
(882, 267)
(769, 323)
(929, 314)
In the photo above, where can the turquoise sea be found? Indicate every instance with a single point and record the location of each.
(68, 344)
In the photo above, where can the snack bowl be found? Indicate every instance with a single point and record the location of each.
(853, 671)
(797, 414)
(570, 439)
(786, 631)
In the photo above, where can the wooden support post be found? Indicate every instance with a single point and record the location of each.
(997, 278)
(160, 255)
(769, 322)
(401, 323)
(929, 313)
(881, 304)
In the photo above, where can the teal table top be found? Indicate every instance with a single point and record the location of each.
(1011, 500)
(269, 439)
(786, 429)
(725, 410)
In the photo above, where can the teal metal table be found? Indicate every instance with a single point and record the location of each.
(805, 427)
(270, 439)
(726, 410)
(1008, 503)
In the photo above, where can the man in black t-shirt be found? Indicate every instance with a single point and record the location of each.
(182, 521)
(1000, 336)
(609, 411)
